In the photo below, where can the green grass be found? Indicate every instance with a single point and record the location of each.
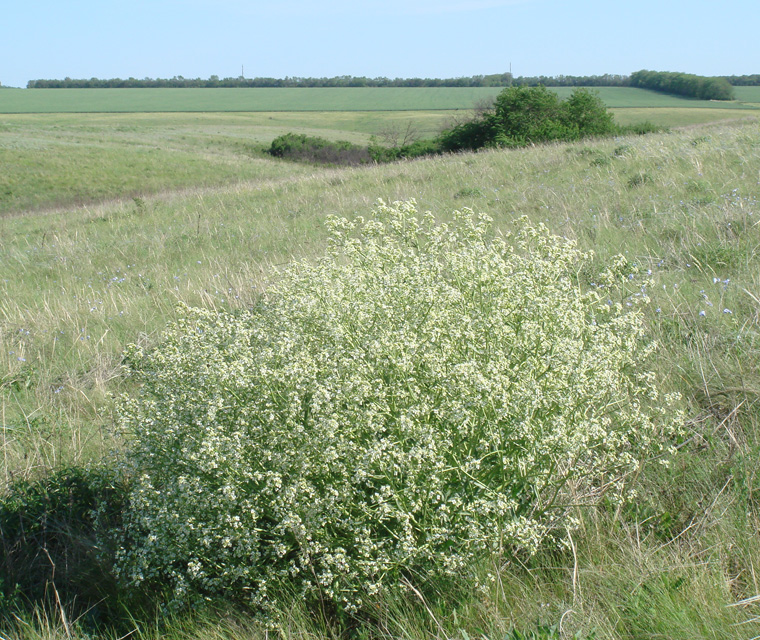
(54, 160)
(672, 117)
(77, 285)
(313, 99)
(51, 161)
(57, 160)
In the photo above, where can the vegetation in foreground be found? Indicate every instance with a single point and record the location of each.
(422, 397)
(678, 562)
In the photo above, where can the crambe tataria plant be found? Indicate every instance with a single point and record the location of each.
(421, 397)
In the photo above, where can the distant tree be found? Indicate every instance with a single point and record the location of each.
(683, 84)
(523, 115)
(743, 81)
(584, 114)
(528, 114)
(716, 89)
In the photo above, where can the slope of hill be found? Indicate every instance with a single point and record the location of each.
(680, 561)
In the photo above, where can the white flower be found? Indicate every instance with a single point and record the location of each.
(421, 396)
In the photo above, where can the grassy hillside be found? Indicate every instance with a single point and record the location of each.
(54, 160)
(57, 160)
(681, 562)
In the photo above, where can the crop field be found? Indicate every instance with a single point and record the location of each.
(627, 97)
(313, 99)
(198, 100)
(681, 117)
(749, 95)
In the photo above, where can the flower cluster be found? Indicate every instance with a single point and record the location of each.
(424, 395)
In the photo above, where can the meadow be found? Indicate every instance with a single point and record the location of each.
(62, 159)
(78, 283)
(54, 160)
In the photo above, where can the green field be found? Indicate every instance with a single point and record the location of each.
(680, 117)
(748, 94)
(78, 284)
(312, 99)
(627, 97)
(193, 100)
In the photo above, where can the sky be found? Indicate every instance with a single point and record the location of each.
(43, 39)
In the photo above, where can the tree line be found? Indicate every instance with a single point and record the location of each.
(670, 82)
(752, 80)
(494, 80)
(683, 84)
(179, 82)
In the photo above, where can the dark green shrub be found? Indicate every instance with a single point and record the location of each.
(523, 115)
(380, 153)
(584, 114)
(54, 532)
(526, 115)
(303, 148)
(470, 136)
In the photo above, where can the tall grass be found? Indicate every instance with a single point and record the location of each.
(681, 562)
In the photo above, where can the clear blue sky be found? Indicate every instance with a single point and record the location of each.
(393, 38)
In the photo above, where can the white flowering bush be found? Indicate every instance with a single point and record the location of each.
(424, 395)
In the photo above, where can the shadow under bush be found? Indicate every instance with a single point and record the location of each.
(54, 540)
(303, 148)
